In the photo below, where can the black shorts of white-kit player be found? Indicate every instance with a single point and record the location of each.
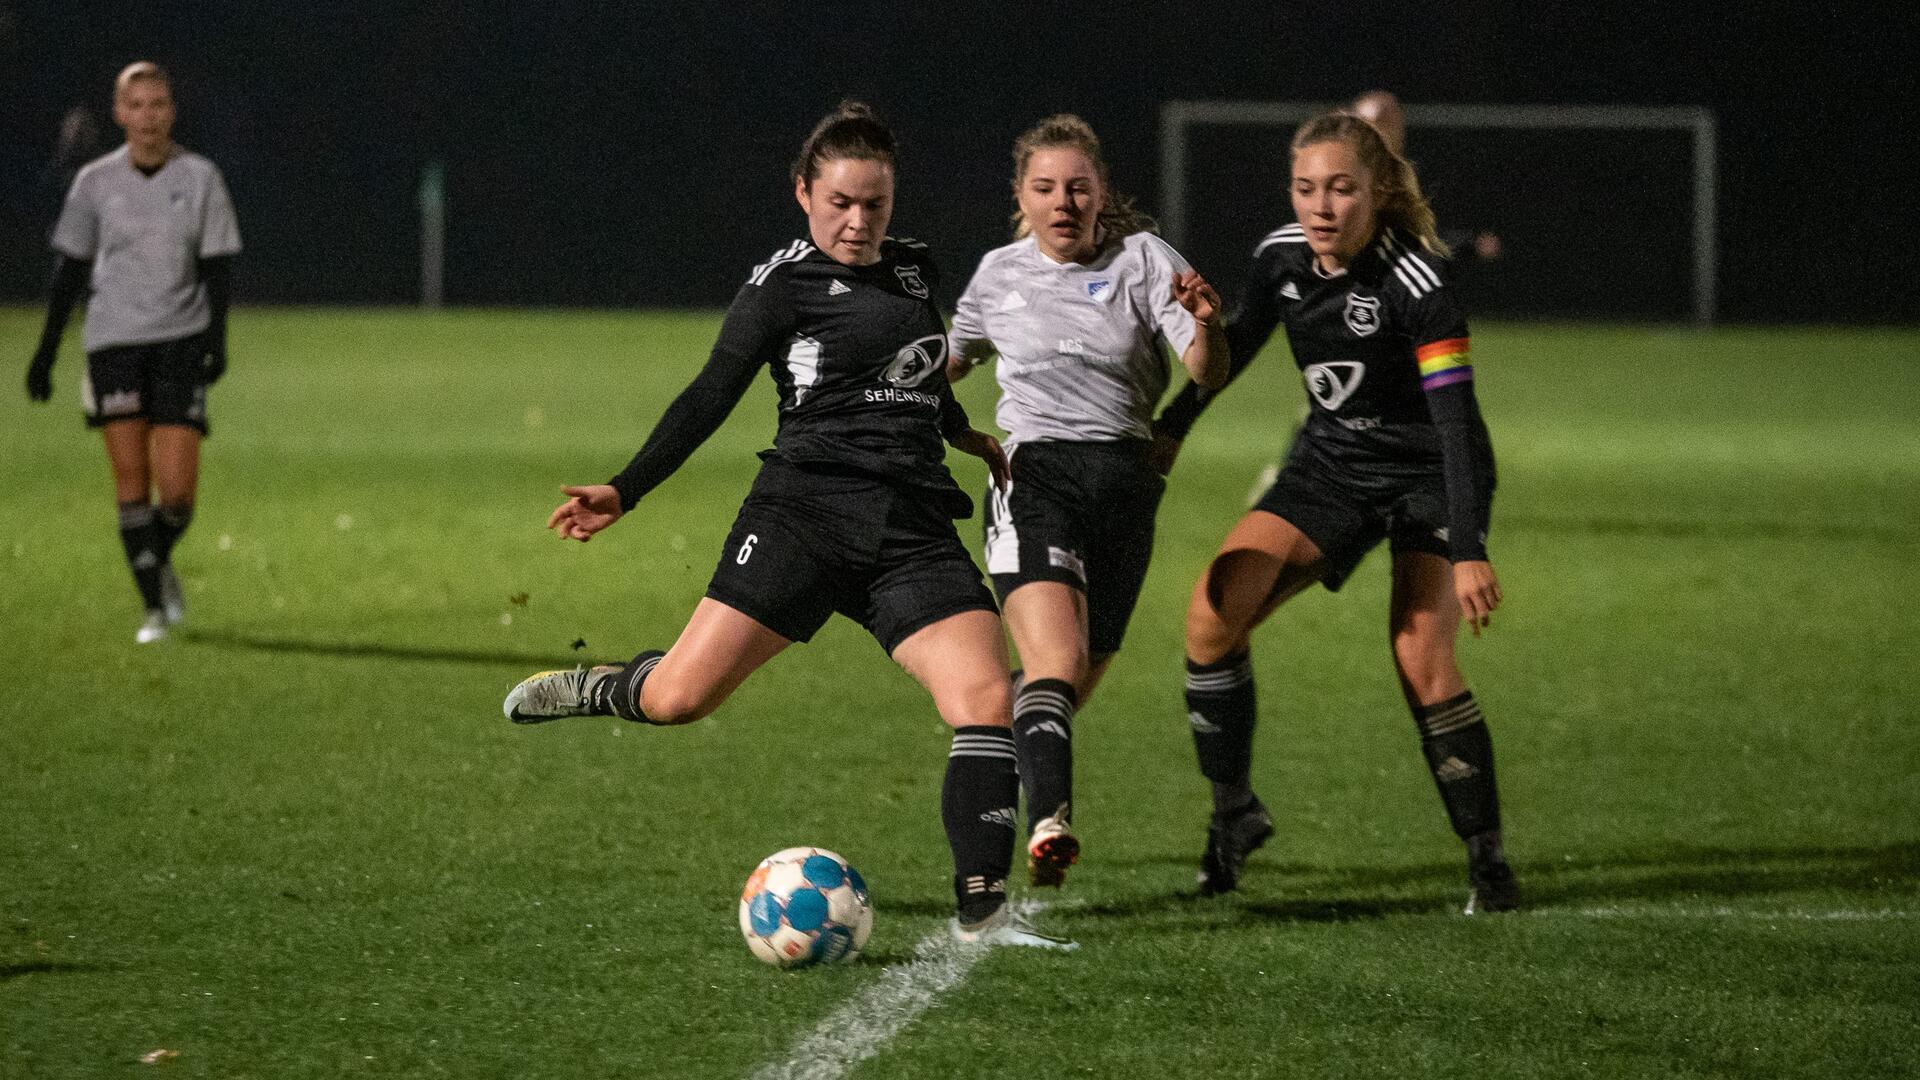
(161, 382)
(1082, 514)
(809, 542)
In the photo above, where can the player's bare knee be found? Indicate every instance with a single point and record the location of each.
(1066, 661)
(982, 703)
(1211, 632)
(668, 706)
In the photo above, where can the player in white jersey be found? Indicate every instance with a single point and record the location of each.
(150, 230)
(1081, 309)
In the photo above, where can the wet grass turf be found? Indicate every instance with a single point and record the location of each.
(299, 840)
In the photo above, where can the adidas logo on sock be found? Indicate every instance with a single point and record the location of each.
(1002, 816)
(1454, 769)
(1202, 725)
(1049, 727)
(838, 288)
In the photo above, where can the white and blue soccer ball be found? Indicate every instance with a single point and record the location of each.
(805, 905)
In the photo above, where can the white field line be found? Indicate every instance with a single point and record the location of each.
(1839, 915)
(861, 1027)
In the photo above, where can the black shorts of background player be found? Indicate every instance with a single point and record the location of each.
(150, 229)
(1082, 308)
(852, 510)
(1393, 448)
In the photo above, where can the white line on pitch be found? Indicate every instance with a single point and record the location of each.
(858, 1029)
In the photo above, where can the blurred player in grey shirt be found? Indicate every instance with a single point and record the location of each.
(148, 234)
(1082, 309)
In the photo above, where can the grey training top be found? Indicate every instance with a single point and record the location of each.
(1083, 346)
(146, 236)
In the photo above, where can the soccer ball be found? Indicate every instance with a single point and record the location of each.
(803, 906)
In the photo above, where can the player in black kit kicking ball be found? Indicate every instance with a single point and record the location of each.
(852, 511)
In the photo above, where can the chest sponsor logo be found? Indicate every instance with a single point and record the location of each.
(1096, 288)
(1290, 291)
(1333, 383)
(1013, 302)
(178, 199)
(838, 288)
(910, 280)
(1363, 314)
(912, 364)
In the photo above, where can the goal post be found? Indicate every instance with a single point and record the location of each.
(1179, 118)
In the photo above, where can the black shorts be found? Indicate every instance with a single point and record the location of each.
(807, 544)
(1079, 513)
(162, 382)
(1346, 517)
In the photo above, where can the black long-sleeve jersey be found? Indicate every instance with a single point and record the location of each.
(1384, 353)
(858, 355)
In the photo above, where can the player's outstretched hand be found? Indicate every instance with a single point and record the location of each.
(1478, 591)
(588, 509)
(987, 449)
(1192, 292)
(40, 376)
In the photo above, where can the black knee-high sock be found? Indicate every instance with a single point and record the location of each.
(138, 536)
(1220, 709)
(169, 521)
(1043, 737)
(976, 806)
(617, 693)
(1459, 750)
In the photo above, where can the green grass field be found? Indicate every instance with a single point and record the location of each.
(300, 840)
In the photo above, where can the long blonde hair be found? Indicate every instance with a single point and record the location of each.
(1397, 200)
(1118, 216)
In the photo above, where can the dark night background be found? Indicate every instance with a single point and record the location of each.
(637, 155)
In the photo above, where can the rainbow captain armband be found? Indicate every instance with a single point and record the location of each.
(1443, 363)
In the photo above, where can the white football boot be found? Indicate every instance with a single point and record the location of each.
(551, 695)
(1007, 927)
(153, 629)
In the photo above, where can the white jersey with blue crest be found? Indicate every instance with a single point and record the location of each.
(1082, 346)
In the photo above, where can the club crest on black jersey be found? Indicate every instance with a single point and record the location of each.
(858, 355)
